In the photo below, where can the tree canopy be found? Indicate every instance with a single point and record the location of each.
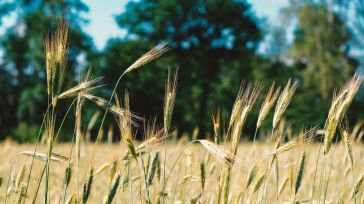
(22, 70)
(215, 44)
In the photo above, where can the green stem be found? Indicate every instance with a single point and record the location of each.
(69, 162)
(175, 189)
(164, 162)
(107, 108)
(174, 164)
(35, 150)
(38, 138)
(145, 178)
(38, 185)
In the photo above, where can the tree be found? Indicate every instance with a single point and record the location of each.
(23, 61)
(213, 42)
(321, 45)
(5, 9)
(277, 44)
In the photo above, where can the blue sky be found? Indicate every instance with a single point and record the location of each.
(102, 25)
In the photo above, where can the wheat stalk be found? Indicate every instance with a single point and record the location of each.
(189, 177)
(153, 168)
(220, 153)
(339, 107)
(251, 176)
(283, 185)
(306, 137)
(347, 144)
(356, 129)
(56, 58)
(83, 87)
(87, 185)
(43, 156)
(126, 175)
(216, 117)
(114, 188)
(20, 178)
(169, 100)
(148, 145)
(249, 96)
(80, 90)
(152, 54)
(283, 101)
(259, 182)
(357, 186)
(268, 103)
(299, 174)
(202, 175)
(68, 174)
(117, 111)
(131, 149)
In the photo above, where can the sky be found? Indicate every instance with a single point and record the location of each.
(102, 25)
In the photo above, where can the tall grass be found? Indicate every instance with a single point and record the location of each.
(154, 171)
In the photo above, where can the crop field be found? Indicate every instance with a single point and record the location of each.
(316, 165)
(185, 182)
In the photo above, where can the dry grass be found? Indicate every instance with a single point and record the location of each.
(343, 185)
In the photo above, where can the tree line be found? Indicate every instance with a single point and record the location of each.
(214, 43)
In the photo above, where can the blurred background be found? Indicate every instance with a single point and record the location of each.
(216, 44)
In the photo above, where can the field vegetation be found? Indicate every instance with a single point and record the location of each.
(315, 165)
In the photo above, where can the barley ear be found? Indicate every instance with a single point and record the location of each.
(299, 174)
(251, 176)
(339, 107)
(132, 150)
(249, 95)
(267, 104)
(216, 122)
(220, 153)
(87, 186)
(56, 59)
(357, 186)
(68, 174)
(78, 126)
(169, 100)
(126, 175)
(348, 147)
(152, 54)
(153, 168)
(283, 185)
(202, 175)
(21, 192)
(283, 101)
(114, 189)
(259, 182)
(113, 170)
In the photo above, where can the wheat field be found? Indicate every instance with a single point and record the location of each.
(321, 164)
(185, 182)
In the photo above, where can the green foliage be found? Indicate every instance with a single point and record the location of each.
(213, 41)
(321, 46)
(22, 70)
(25, 132)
